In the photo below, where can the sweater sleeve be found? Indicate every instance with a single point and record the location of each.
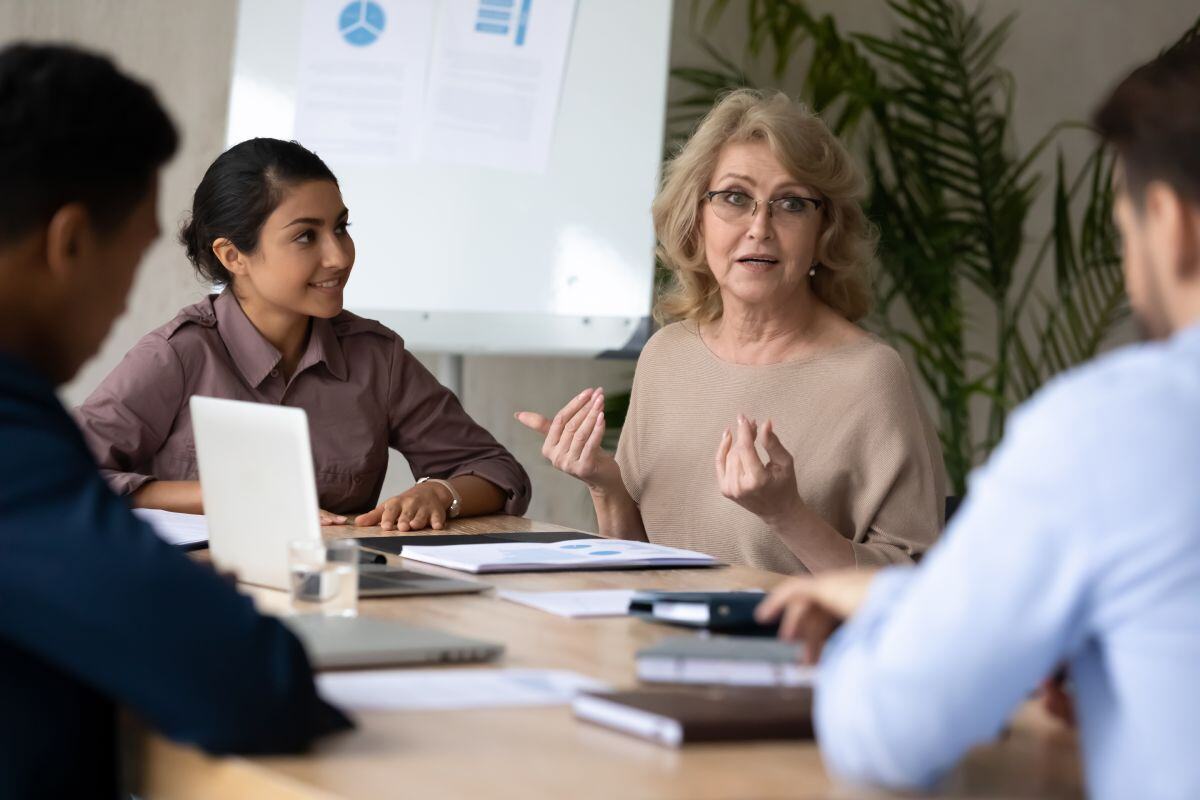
(898, 505)
(628, 445)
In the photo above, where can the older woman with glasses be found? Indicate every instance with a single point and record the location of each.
(765, 426)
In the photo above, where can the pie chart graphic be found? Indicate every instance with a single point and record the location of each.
(361, 22)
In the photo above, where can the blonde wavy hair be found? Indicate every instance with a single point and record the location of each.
(813, 156)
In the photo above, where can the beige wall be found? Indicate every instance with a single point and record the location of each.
(1063, 54)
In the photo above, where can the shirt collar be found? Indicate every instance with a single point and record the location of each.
(255, 357)
(324, 347)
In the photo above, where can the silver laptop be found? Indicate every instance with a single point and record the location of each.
(256, 475)
(349, 642)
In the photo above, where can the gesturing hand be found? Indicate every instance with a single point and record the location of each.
(573, 437)
(767, 490)
(424, 505)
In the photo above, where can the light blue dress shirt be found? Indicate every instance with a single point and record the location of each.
(1079, 542)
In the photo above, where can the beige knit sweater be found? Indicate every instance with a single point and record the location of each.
(867, 458)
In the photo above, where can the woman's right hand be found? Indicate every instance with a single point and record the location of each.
(573, 440)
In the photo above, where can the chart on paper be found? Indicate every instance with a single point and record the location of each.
(455, 82)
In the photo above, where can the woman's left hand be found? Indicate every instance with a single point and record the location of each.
(768, 490)
(330, 518)
(424, 505)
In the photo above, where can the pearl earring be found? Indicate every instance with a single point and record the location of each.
(812, 273)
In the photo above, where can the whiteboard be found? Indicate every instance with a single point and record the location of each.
(470, 259)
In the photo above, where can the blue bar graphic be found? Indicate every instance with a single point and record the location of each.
(503, 16)
(487, 27)
(498, 3)
(523, 22)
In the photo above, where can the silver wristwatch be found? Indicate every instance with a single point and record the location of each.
(456, 499)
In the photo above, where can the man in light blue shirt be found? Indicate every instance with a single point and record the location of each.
(1079, 542)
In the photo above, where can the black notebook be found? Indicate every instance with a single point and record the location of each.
(395, 544)
(723, 612)
(677, 717)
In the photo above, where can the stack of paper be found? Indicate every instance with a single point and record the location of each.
(574, 554)
(185, 530)
(732, 660)
(596, 603)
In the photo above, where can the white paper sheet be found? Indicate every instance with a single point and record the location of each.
(457, 81)
(179, 529)
(361, 82)
(573, 554)
(594, 603)
(392, 690)
(495, 80)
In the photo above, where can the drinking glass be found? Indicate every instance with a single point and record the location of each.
(324, 577)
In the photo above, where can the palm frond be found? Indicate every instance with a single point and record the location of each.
(1089, 287)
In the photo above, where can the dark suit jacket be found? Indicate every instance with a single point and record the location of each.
(97, 612)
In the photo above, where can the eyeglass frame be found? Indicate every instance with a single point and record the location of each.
(817, 202)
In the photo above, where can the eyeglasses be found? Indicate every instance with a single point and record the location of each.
(739, 207)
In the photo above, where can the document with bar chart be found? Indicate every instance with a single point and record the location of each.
(495, 79)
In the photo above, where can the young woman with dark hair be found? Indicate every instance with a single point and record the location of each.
(269, 225)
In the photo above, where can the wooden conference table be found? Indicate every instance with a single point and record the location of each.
(544, 752)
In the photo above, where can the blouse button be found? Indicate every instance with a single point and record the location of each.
(274, 373)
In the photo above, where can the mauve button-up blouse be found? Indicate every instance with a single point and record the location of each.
(361, 389)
